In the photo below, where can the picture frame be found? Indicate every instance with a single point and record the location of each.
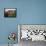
(33, 30)
(10, 12)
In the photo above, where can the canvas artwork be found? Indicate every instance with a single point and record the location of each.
(33, 32)
(10, 12)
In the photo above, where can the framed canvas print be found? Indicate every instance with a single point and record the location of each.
(10, 12)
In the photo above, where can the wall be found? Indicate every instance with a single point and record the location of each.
(33, 12)
(28, 12)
